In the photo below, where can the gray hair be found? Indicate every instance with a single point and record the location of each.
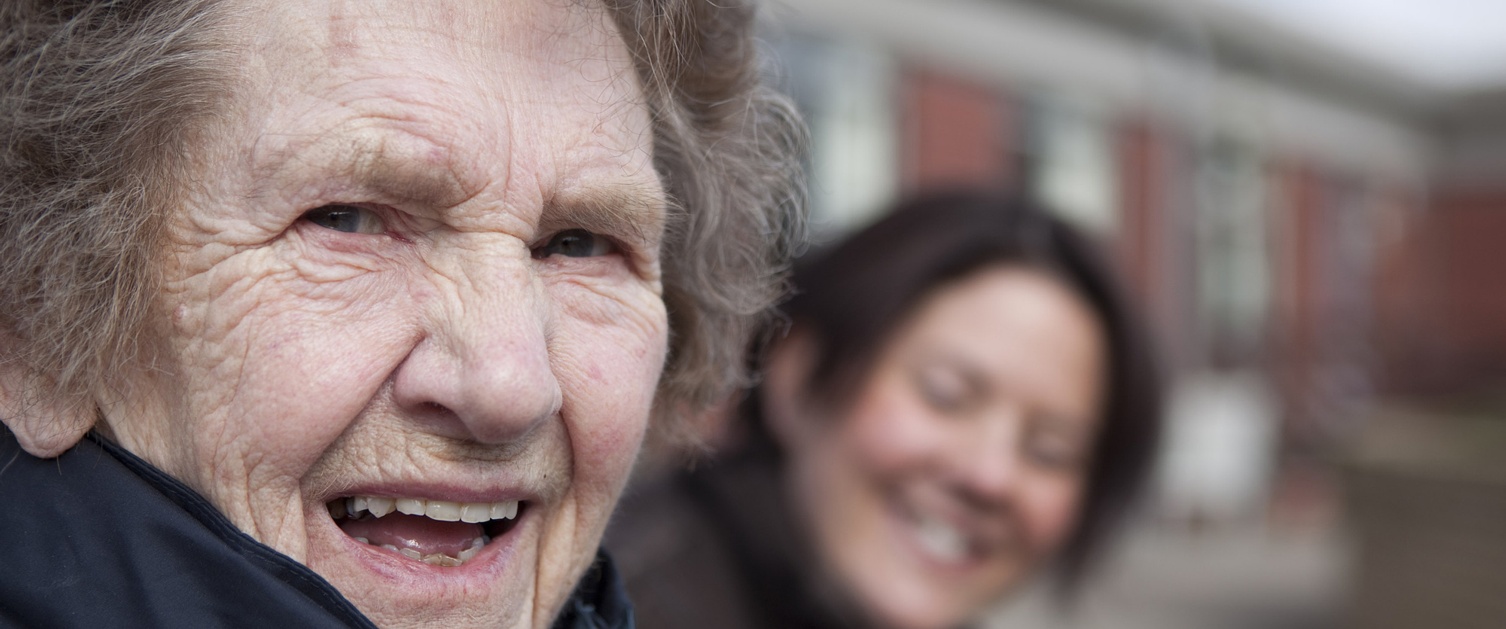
(100, 101)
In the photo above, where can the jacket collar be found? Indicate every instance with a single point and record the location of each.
(103, 538)
(600, 601)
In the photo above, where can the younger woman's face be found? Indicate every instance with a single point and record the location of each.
(957, 469)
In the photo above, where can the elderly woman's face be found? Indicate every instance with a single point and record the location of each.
(417, 278)
(957, 470)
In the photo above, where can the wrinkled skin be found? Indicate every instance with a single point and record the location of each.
(957, 470)
(427, 338)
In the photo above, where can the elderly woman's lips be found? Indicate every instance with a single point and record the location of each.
(437, 532)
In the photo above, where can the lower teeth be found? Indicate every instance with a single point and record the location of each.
(438, 559)
(435, 559)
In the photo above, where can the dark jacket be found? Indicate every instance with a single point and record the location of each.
(99, 538)
(716, 547)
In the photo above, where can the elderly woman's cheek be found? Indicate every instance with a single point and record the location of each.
(212, 322)
(274, 361)
(629, 310)
(610, 349)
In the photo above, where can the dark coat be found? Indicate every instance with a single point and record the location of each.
(716, 547)
(99, 538)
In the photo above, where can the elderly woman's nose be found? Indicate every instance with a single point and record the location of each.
(482, 373)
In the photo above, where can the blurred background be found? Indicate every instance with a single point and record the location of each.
(1308, 199)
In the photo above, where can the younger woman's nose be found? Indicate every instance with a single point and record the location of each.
(987, 461)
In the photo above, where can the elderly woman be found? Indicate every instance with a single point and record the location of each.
(963, 402)
(321, 313)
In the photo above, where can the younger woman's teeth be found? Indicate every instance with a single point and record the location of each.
(941, 540)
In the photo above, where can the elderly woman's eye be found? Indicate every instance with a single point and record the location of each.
(350, 219)
(575, 243)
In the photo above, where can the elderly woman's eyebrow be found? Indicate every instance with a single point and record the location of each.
(633, 211)
(407, 172)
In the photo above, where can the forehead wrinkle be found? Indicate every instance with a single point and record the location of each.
(340, 32)
(461, 32)
(350, 31)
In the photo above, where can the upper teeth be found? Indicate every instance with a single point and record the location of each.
(941, 540)
(443, 510)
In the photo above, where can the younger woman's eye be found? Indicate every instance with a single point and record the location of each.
(575, 243)
(943, 393)
(350, 219)
(1053, 451)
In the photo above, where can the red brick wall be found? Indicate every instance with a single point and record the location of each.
(1142, 246)
(954, 132)
(1407, 300)
(1297, 199)
(1466, 229)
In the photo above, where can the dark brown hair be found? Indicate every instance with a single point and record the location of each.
(855, 295)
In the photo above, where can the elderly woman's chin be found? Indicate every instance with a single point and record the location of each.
(456, 545)
(471, 557)
(423, 565)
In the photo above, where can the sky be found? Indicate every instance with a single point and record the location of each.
(1449, 44)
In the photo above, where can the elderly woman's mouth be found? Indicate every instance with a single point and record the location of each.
(436, 532)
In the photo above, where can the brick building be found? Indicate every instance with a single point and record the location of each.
(1309, 228)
